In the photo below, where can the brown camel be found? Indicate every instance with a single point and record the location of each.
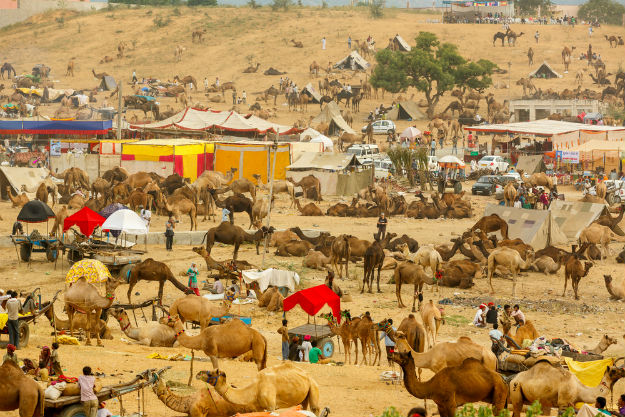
(410, 273)
(198, 309)
(240, 186)
(432, 319)
(525, 332)
(294, 248)
(222, 266)
(101, 187)
(189, 79)
(229, 234)
(99, 75)
(509, 194)
(177, 206)
(42, 193)
(316, 260)
(347, 333)
(281, 386)
(512, 260)
(492, 223)
(374, 258)
(17, 391)
(297, 44)
(542, 179)
(138, 198)
(19, 200)
(279, 186)
(139, 179)
(366, 331)
(151, 270)
(252, 69)
(73, 178)
(574, 270)
(308, 182)
(154, 334)
(449, 388)
(83, 296)
(603, 345)
(227, 340)
(235, 203)
(612, 39)
(616, 291)
(340, 251)
(611, 222)
(599, 235)
(59, 220)
(80, 322)
(309, 209)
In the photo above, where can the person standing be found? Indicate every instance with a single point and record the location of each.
(349, 42)
(536, 36)
(169, 233)
(382, 222)
(89, 400)
(217, 82)
(454, 143)
(10, 355)
(193, 272)
(305, 348)
(54, 358)
(146, 215)
(13, 308)
(234, 96)
(134, 76)
(284, 332)
(590, 31)
(388, 342)
(323, 43)
(244, 97)
(205, 84)
(433, 147)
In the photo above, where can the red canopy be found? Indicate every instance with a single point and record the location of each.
(314, 299)
(86, 220)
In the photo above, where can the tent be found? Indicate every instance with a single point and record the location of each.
(252, 157)
(328, 145)
(18, 177)
(309, 132)
(401, 43)
(314, 94)
(313, 299)
(533, 227)
(186, 157)
(271, 276)
(35, 211)
(410, 133)
(55, 127)
(405, 110)
(530, 164)
(339, 174)
(544, 71)
(353, 61)
(331, 114)
(125, 221)
(86, 220)
(450, 161)
(573, 216)
(108, 83)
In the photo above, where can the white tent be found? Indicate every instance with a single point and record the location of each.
(410, 133)
(309, 132)
(353, 61)
(125, 221)
(327, 142)
(271, 276)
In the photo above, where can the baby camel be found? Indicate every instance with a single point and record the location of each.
(575, 271)
(511, 259)
(547, 265)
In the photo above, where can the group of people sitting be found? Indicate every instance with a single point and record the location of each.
(48, 364)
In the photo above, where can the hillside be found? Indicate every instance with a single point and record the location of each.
(237, 36)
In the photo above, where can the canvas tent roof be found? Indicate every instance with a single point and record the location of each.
(403, 45)
(573, 216)
(108, 83)
(327, 142)
(542, 127)
(410, 133)
(406, 110)
(353, 61)
(544, 71)
(533, 227)
(530, 164)
(324, 161)
(16, 177)
(310, 132)
(200, 120)
(312, 92)
(331, 114)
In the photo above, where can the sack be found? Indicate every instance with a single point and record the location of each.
(52, 392)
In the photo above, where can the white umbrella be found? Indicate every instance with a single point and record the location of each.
(449, 160)
(410, 133)
(125, 221)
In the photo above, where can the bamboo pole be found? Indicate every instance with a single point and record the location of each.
(191, 370)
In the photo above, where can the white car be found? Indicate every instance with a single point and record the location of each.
(493, 162)
(381, 127)
(383, 167)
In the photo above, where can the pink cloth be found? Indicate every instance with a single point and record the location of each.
(86, 383)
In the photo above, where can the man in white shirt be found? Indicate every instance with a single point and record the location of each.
(479, 319)
(146, 215)
(495, 333)
(13, 307)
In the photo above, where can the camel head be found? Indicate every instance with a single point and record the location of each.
(608, 341)
(384, 325)
(118, 313)
(111, 285)
(201, 250)
(210, 377)
(587, 266)
(608, 281)
(614, 373)
(328, 317)
(401, 358)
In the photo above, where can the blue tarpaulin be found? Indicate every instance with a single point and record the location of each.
(55, 127)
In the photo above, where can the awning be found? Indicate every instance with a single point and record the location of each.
(324, 161)
(542, 127)
(313, 299)
(86, 220)
(55, 127)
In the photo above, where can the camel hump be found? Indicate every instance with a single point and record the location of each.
(471, 362)
(464, 339)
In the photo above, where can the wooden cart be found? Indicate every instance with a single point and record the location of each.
(321, 333)
(114, 257)
(24, 322)
(509, 368)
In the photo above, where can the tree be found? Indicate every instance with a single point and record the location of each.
(604, 11)
(431, 67)
(280, 4)
(376, 8)
(202, 2)
(530, 7)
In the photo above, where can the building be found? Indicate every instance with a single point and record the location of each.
(530, 110)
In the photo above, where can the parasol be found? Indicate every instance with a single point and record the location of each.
(91, 269)
(313, 299)
(410, 133)
(125, 221)
(35, 211)
(86, 220)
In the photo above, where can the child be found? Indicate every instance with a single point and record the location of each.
(103, 411)
(192, 272)
(89, 400)
(305, 349)
(284, 331)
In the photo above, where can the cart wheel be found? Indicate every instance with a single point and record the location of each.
(51, 254)
(24, 334)
(25, 251)
(613, 199)
(327, 347)
(458, 187)
(74, 256)
(75, 410)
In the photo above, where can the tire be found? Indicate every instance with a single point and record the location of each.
(613, 199)
(76, 410)
(25, 251)
(327, 347)
(24, 334)
(473, 192)
(489, 192)
(458, 187)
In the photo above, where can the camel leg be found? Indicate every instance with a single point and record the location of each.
(70, 316)
(88, 342)
(161, 284)
(215, 362)
(566, 280)
(400, 303)
(131, 285)
(363, 344)
(379, 270)
(236, 251)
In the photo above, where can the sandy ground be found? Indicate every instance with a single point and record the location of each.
(348, 390)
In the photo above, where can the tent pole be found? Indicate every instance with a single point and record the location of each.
(273, 172)
(119, 111)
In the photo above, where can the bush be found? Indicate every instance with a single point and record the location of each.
(252, 4)
(604, 11)
(376, 8)
(280, 4)
(161, 22)
(202, 2)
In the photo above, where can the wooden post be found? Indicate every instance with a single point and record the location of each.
(119, 111)
(191, 370)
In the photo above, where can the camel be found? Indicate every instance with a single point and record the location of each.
(18, 391)
(340, 250)
(178, 205)
(186, 80)
(59, 220)
(229, 234)
(152, 270)
(19, 200)
(224, 267)
(240, 186)
(410, 273)
(235, 203)
(83, 296)
(611, 222)
(178, 52)
(616, 291)
(252, 69)
(316, 260)
(198, 309)
(492, 223)
(294, 248)
(8, 68)
(509, 194)
(501, 36)
(139, 179)
(271, 298)
(308, 182)
(297, 44)
(73, 178)
(374, 258)
(432, 320)
(611, 39)
(198, 35)
(227, 340)
(603, 345)
(449, 388)
(541, 179)
(278, 238)
(525, 332)
(42, 193)
(279, 186)
(566, 57)
(601, 189)
(155, 334)
(426, 256)
(347, 333)
(281, 386)
(554, 386)
(309, 209)
(574, 270)
(599, 235)
(80, 322)
(547, 265)
(460, 274)
(511, 259)
(366, 331)
(203, 403)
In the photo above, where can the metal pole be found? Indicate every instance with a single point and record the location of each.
(273, 172)
(119, 111)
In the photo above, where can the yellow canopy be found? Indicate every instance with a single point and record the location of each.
(589, 373)
(93, 271)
